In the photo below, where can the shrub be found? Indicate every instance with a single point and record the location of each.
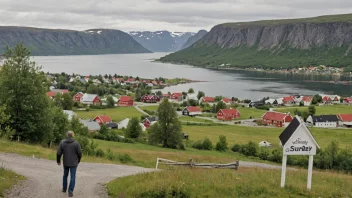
(100, 153)
(236, 147)
(207, 144)
(198, 145)
(276, 155)
(110, 155)
(124, 158)
(263, 153)
(222, 144)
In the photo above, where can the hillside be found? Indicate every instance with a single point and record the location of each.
(69, 42)
(285, 43)
(191, 40)
(162, 41)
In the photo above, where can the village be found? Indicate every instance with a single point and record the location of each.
(196, 108)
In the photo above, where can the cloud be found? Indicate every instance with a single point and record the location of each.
(173, 15)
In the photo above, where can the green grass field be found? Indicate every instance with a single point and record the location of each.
(116, 114)
(149, 108)
(193, 119)
(7, 180)
(243, 134)
(248, 112)
(320, 110)
(245, 182)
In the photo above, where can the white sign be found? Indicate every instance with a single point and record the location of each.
(296, 139)
(300, 143)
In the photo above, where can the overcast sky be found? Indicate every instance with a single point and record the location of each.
(172, 15)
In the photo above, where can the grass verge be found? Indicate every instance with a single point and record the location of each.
(7, 180)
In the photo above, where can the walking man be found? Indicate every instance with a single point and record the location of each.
(71, 150)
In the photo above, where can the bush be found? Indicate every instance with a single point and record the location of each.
(198, 145)
(100, 153)
(263, 153)
(222, 144)
(97, 107)
(124, 158)
(236, 147)
(276, 155)
(206, 144)
(110, 155)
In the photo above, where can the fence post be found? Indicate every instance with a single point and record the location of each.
(157, 163)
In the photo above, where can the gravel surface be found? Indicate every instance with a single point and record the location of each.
(44, 177)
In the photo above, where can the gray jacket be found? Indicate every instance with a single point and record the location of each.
(71, 150)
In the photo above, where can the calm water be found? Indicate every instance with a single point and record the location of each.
(252, 85)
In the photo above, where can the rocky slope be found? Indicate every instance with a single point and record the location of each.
(194, 38)
(162, 41)
(286, 43)
(69, 42)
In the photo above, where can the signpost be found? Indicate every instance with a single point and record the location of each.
(296, 139)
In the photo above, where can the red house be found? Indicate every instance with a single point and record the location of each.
(327, 100)
(150, 99)
(125, 101)
(288, 100)
(176, 96)
(227, 100)
(276, 118)
(104, 119)
(191, 111)
(347, 100)
(228, 114)
(307, 100)
(78, 97)
(51, 94)
(207, 99)
(149, 121)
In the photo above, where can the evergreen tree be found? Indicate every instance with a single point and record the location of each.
(190, 91)
(167, 131)
(67, 101)
(23, 88)
(200, 95)
(311, 110)
(133, 129)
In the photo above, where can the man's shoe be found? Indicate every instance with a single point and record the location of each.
(64, 191)
(70, 194)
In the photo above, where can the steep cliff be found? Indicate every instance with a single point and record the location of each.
(69, 42)
(281, 43)
(161, 41)
(191, 40)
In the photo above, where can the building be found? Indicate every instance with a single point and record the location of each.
(347, 100)
(192, 96)
(90, 99)
(307, 100)
(256, 104)
(288, 100)
(126, 101)
(276, 118)
(264, 144)
(327, 100)
(228, 114)
(191, 111)
(70, 114)
(345, 120)
(91, 125)
(53, 92)
(104, 119)
(78, 97)
(124, 124)
(207, 99)
(150, 121)
(323, 121)
(227, 101)
(176, 96)
(150, 99)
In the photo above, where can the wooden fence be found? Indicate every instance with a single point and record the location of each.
(233, 165)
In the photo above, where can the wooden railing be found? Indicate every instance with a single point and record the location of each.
(233, 165)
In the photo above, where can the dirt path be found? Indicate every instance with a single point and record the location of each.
(44, 177)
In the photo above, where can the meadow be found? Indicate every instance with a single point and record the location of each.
(245, 182)
(7, 180)
(116, 114)
(320, 110)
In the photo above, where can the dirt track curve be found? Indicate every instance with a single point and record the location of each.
(44, 177)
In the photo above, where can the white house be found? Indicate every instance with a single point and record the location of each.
(264, 144)
(191, 111)
(323, 121)
(70, 114)
(124, 124)
(270, 101)
(90, 99)
(192, 97)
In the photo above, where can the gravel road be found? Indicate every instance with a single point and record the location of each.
(44, 177)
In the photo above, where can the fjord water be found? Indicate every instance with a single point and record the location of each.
(241, 84)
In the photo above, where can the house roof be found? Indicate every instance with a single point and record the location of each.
(272, 115)
(60, 90)
(148, 97)
(124, 123)
(176, 94)
(104, 118)
(226, 100)
(125, 98)
(51, 94)
(307, 98)
(193, 109)
(88, 97)
(288, 99)
(326, 98)
(70, 114)
(229, 111)
(345, 117)
(192, 96)
(112, 125)
(325, 118)
(130, 80)
(208, 99)
(91, 125)
(348, 99)
(152, 119)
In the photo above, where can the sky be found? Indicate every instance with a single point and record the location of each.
(152, 15)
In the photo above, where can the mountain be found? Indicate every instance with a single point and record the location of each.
(162, 41)
(191, 40)
(325, 40)
(69, 42)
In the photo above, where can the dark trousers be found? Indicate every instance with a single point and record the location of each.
(72, 171)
